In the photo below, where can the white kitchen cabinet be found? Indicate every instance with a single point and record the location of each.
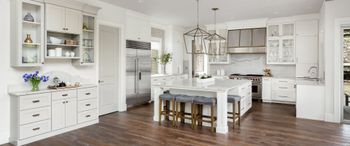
(310, 102)
(278, 90)
(50, 112)
(61, 19)
(306, 48)
(281, 43)
(138, 28)
(55, 18)
(27, 54)
(166, 78)
(266, 89)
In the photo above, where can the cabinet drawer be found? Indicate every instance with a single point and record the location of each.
(34, 115)
(85, 105)
(283, 87)
(64, 94)
(34, 129)
(155, 80)
(87, 93)
(35, 101)
(283, 96)
(87, 116)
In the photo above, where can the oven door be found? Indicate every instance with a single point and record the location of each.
(256, 91)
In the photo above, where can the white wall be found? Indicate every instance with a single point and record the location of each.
(332, 11)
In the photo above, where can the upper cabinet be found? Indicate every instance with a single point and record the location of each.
(27, 33)
(138, 28)
(281, 43)
(307, 48)
(61, 19)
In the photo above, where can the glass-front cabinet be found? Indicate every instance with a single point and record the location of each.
(88, 46)
(27, 33)
(281, 43)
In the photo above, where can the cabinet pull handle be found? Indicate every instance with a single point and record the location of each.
(87, 104)
(35, 129)
(87, 93)
(66, 101)
(36, 115)
(64, 94)
(63, 28)
(36, 101)
(87, 116)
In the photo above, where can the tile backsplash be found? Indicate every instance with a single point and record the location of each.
(253, 64)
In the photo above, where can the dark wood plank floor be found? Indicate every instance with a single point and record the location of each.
(265, 124)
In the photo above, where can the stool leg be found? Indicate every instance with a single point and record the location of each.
(166, 110)
(182, 108)
(212, 118)
(160, 111)
(195, 116)
(173, 112)
(239, 113)
(177, 113)
(234, 114)
(200, 115)
(192, 116)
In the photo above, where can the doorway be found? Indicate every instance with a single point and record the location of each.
(346, 77)
(109, 44)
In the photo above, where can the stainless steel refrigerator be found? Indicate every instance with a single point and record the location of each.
(138, 72)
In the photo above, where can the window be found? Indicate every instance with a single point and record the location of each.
(156, 47)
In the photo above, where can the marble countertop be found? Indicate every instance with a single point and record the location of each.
(165, 75)
(191, 84)
(312, 82)
(23, 93)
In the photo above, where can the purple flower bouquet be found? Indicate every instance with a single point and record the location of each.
(35, 80)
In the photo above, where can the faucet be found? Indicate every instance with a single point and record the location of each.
(311, 72)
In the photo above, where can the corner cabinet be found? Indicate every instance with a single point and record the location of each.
(42, 114)
(281, 43)
(27, 33)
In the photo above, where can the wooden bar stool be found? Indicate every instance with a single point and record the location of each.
(180, 112)
(166, 98)
(236, 114)
(198, 102)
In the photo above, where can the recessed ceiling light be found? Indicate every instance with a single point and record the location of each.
(141, 1)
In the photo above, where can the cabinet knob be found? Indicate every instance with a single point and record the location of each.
(35, 129)
(64, 94)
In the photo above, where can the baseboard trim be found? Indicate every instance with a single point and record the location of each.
(329, 117)
(4, 140)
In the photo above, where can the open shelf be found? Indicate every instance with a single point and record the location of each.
(62, 45)
(50, 57)
(90, 31)
(31, 23)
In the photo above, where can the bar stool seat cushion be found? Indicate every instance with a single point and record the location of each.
(233, 98)
(204, 100)
(167, 96)
(184, 98)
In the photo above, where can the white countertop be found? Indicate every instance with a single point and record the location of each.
(303, 81)
(23, 93)
(165, 75)
(191, 84)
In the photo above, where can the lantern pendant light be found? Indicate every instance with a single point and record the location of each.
(217, 43)
(195, 42)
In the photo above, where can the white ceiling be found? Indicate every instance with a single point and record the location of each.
(182, 12)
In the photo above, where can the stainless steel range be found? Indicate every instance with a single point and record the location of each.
(256, 83)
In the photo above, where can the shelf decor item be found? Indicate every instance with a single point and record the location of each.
(85, 27)
(35, 80)
(163, 60)
(28, 39)
(195, 42)
(28, 17)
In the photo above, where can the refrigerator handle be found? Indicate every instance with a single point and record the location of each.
(136, 70)
(140, 75)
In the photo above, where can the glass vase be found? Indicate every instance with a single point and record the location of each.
(35, 87)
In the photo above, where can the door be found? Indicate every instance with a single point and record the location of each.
(71, 112)
(144, 62)
(131, 74)
(108, 67)
(58, 114)
(74, 21)
(55, 18)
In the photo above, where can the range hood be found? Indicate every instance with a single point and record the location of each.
(246, 41)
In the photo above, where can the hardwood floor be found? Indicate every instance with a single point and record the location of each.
(265, 124)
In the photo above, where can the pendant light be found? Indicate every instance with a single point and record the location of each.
(195, 42)
(217, 43)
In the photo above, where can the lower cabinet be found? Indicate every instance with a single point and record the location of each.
(166, 78)
(279, 90)
(36, 116)
(64, 113)
(246, 98)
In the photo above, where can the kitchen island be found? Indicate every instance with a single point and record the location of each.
(219, 89)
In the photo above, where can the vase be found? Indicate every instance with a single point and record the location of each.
(164, 69)
(35, 87)
(29, 17)
(28, 39)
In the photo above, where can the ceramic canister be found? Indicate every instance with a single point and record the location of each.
(58, 52)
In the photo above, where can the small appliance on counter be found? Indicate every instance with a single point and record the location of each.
(62, 85)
